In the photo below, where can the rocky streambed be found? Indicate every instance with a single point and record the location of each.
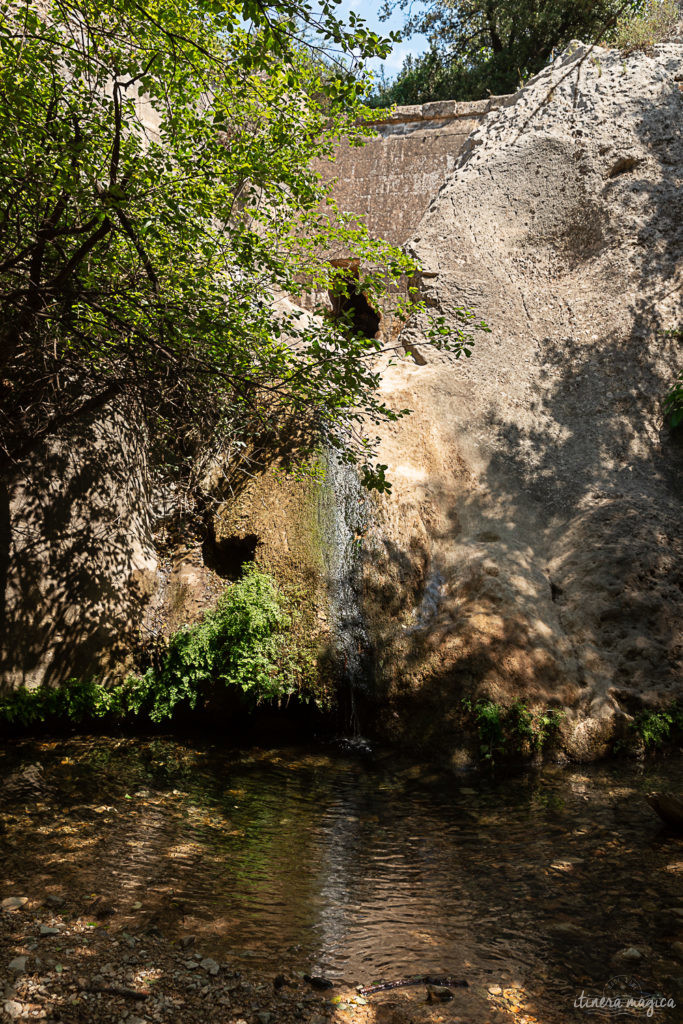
(75, 969)
(169, 881)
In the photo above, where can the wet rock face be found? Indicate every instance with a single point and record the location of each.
(532, 546)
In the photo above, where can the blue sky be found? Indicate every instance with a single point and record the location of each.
(369, 11)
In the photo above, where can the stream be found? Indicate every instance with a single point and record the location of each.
(357, 867)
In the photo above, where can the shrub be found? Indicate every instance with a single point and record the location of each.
(654, 24)
(657, 728)
(248, 642)
(511, 731)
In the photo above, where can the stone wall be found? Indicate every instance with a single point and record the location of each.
(391, 181)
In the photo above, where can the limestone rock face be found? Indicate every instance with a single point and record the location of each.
(532, 544)
(77, 559)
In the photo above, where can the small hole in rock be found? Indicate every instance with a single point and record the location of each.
(623, 165)
(355, 308)
(228, 556)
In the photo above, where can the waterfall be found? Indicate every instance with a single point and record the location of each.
(344, 511)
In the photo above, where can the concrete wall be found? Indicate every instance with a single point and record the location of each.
(391, 181)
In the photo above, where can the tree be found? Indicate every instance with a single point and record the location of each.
(156, 194)
(484, 47)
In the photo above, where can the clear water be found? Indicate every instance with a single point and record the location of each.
(343, 520)
(358, 868)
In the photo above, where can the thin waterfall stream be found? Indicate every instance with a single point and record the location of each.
(344, 514)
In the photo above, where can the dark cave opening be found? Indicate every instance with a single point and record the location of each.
(228, 556)
(355, 309)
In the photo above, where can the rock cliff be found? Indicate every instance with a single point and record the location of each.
(532, 544)
(77, 557)
(531, 547)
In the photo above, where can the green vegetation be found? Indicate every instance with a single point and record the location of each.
(479, 48)
(249, 643)
(654, 24)
(156, 193)
(659, 728)
(513, 730)
(673, 403)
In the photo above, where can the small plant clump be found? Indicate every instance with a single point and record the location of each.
(655, 23)
(673, 403)
(514, 730)
(659, 728)
(249, 642)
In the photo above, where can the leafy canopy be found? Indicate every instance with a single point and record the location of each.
(484, 47)
(156, 193)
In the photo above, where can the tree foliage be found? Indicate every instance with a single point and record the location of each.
(156, 193)
(483, 47)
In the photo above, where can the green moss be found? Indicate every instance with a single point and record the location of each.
(251, 642)
(510, 731)
(281, 508)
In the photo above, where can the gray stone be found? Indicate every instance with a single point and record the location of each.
(630, 954)
(18, 965)
(14, 903)
(210, 965)
(263, 1017)
(46, 929)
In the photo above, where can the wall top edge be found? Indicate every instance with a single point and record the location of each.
(442, 110)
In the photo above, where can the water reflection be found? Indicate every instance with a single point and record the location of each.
(356, 869)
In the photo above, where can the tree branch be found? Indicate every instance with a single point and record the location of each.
(26, 447)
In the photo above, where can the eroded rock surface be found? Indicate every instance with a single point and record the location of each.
(532, 545)
(77, 559)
